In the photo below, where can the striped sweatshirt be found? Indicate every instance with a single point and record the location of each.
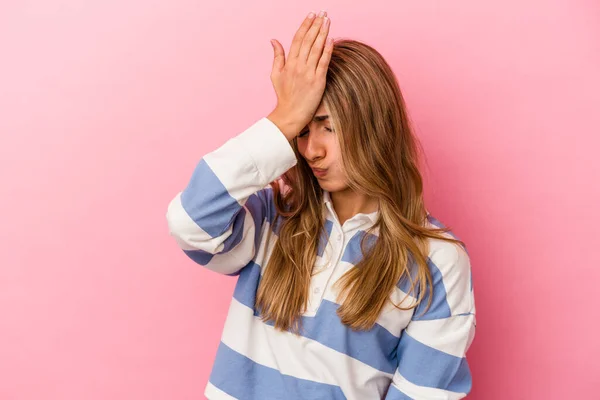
(224, 220)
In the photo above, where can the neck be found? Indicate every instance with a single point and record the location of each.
(347, 203)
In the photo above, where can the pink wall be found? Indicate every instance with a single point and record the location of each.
(106, 106)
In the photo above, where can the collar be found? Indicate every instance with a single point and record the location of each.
(371, 216)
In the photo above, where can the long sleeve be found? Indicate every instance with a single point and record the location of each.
(432, 349)
(217, 219)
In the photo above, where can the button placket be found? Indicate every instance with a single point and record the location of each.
(321, 281)
(337, 245)
(316, 294)
(339, 248)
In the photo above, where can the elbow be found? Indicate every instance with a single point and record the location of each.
(188, 235)
(180, 226)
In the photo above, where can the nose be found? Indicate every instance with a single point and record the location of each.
(315, 148)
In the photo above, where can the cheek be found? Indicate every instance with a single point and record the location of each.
(301, 147)
(339, 168)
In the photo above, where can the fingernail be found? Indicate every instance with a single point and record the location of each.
(310, 15)
(321, 13)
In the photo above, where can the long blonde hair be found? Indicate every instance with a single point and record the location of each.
(380, 155)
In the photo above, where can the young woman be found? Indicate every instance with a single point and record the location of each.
(346, 286)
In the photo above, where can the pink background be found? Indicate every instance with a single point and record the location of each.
(107, 106)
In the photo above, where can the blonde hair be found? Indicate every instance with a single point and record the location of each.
(380, 155)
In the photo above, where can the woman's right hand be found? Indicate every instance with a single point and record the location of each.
(299, 81)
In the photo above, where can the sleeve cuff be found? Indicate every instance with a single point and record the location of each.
(268, 147)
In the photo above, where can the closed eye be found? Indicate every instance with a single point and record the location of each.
(305, 132)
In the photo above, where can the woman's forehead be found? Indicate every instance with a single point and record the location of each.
(321, 109)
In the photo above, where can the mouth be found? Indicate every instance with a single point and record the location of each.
(319, 171)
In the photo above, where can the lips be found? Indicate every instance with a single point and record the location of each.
(319, 172)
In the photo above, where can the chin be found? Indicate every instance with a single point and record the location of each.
(332, 186)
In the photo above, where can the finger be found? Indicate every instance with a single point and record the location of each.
(278, 56)
(309, 38)
(317, 49)
(325, 58)
(299, 36)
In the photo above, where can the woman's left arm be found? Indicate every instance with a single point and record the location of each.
(432, 349)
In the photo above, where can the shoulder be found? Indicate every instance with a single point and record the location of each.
(451, 257)
(450, 266)
(264, 201)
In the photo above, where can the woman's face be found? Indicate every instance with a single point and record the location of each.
(319, 145)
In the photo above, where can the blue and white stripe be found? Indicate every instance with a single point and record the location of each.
(223, 220)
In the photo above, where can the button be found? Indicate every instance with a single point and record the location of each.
(317, 290)
(339, 237)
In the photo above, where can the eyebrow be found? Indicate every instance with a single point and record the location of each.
(318, 118)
